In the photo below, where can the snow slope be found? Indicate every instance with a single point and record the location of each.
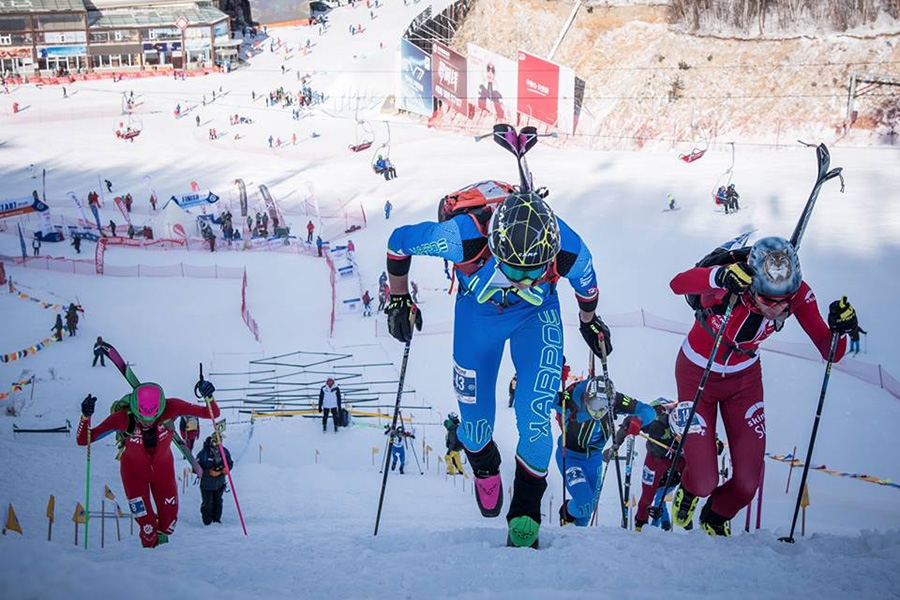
(309, 498)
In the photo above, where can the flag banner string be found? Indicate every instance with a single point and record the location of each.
(787, 458)
(16, 387)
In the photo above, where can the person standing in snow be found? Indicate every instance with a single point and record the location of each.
(768, 289)
(590, 407)
(330, 401)
(451, 459)
(213, 481)
(72, 319)
(57, 328)
(76, 243)
(310, 228)
(189, 428)
(36, 244)
(854, 340)
(387, 209)
(367, 304)
(147, 466)
(112, 228)
(319, 244)
(108, 184)
(99, 352)
(509, 259)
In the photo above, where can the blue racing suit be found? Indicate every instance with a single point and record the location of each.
(489, 311)
(585, 439)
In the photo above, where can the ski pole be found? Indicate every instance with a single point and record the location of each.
(87, 488)
(612, 426)
(812, 438)
(208, 400)
(403, 363)
(679, 448)
(563, 425)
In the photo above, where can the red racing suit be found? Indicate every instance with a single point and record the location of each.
(734, 385)
(147, 466)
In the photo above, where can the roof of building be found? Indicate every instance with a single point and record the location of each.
(34, 6)
(154, 16)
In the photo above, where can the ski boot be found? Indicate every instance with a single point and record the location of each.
(488, 484)
(161, 538)
(714, 524)
(564, 517)
(683, 508)
(524, 515)
(639, 525)
(523, 533)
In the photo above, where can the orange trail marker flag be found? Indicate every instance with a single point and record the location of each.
(12, 522)
(78, 517)
(108, 493)
(51, 509)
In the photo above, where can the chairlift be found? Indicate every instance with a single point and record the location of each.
(131, 130)
(695, 153)
(365, 135)
(384, 150)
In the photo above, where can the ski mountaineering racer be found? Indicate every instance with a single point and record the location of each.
(147, 466)
(509, 260)
(769, 288)
(588, 426)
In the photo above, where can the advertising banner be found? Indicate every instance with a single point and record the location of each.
(415, 80)
(22, 206)
(546, 91)
(449, 77)
(491, 82)
(195, 199)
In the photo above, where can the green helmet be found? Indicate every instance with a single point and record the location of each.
(147, 402)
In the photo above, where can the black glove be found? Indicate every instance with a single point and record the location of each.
(593, 332)
(399, 313)
(610, 453)
(87, 405)
(735, 278)
(206, 388)
(842, 316)
(676, 478)
(655, 512)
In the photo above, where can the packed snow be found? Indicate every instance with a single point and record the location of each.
(308, 498)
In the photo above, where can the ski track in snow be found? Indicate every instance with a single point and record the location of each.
(310, 523)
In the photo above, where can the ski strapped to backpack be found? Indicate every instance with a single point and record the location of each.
(124, 403)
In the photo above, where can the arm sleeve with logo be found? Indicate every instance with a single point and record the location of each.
(444, 240)
(176, 407)
(805, 307)
(118, 421)
(574, 262)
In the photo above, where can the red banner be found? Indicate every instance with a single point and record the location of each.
(538, 89)
(448, 77)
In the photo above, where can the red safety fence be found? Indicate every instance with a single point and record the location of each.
(115, 75)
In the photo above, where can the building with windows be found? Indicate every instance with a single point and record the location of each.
(69, 36)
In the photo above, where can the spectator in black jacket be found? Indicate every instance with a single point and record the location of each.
(212, 484)
(99, 352)
(330, 400)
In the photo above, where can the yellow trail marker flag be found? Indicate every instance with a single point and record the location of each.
(79, 516)
(12, 522)
(428, 449)
(375, 450)
(804, 499)
(108, 493)
(51, 507)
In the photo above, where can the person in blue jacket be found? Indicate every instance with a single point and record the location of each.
(509, 261)
(212, 484)
(398, 445)
(591, 406)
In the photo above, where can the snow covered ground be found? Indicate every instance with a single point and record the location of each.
(309, 499)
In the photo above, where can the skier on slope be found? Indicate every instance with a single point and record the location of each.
(147, 466)
(657, 460)
(769, 288)
(588, 426)
(513, 256)
(398, 445)
(189, 428)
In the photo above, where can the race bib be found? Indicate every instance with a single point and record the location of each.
(464, 384)
(678, 419)
(137, 507)
(648, 476)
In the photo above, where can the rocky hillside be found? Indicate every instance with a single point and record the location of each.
(650, 82)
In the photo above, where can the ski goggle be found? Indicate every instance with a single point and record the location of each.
(595, 399)
(147, 402)
(525, 276)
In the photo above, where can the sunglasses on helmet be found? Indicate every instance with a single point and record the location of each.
(522, 275)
